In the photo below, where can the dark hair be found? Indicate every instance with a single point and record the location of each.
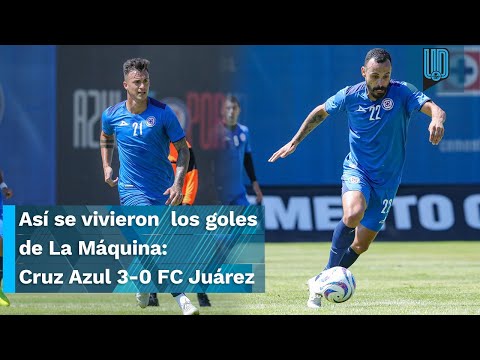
(232, 99)
(380, 55)
(135, 64)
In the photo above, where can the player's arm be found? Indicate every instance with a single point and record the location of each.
(7, 192)
(250, 170)
(106, 151)
(438, 116)
(315, 118)
(190, 186)
(175, 191)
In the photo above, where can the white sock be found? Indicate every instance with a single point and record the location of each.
(181, 299)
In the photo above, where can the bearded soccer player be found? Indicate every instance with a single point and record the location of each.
(379, 111)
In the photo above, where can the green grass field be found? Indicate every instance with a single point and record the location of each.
(397, 278)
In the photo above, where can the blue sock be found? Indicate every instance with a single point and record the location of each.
(349, 258)
(341, 240)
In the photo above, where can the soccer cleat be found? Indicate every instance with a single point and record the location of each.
(189, 309)
(142, 299)
(203, 299)
(3, 299)
(153, 300)
(314, 300)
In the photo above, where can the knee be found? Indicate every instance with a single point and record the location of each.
(353, 216)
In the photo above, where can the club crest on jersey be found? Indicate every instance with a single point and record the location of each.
(353, 180)
(387, 104)
(150, 121)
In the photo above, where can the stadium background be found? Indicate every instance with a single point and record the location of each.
(51, 99)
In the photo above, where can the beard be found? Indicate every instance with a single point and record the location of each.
(371, 91)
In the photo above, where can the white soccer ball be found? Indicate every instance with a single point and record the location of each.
(336, 284)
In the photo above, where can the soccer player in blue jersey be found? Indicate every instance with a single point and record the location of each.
(379, 111)
(143, 129)
(8, 193)
(235, 157)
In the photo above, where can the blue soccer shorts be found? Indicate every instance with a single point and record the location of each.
(135, 197)
(379, 200)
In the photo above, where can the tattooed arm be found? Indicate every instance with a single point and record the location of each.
(106, 151)
(315, 118)
(175, 191)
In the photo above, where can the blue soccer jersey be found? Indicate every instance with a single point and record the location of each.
(378, 129)
(143, 142)
(237, 143)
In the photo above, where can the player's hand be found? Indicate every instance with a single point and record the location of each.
(108, 172)
(436, 131)
(7, 192)
(286, 150)
(175, 195)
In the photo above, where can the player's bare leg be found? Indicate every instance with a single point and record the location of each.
(354, 206)
(363, 238)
